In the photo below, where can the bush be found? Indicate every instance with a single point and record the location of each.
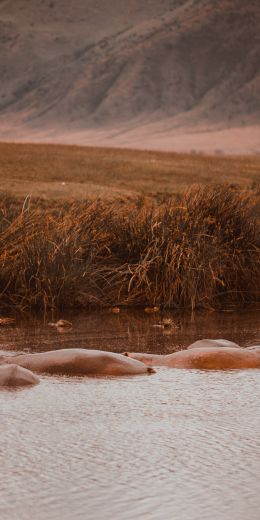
(199, 252)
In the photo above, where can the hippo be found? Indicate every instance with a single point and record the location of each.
(205, 355)
(213, 343)
(13, 375)
(254, 347)
(77, 361)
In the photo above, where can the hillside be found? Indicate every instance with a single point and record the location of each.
(178, 74)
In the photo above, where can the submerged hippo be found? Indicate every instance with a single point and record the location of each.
(213, 343)
(14, 375)
(254, 347)
(77, 361)
(205, 355)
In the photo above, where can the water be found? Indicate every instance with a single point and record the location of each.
(178, 444)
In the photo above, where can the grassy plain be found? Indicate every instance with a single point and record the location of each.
(57, 171)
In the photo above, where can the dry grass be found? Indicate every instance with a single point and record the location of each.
(56, 171)
(198, 252)
(117, 245)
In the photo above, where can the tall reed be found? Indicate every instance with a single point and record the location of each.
(202, 251)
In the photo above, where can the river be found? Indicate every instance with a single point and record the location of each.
(179, 444)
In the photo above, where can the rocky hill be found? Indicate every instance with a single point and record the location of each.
(122, 72)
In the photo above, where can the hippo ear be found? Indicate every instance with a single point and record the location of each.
(125, 354)
(151, 370)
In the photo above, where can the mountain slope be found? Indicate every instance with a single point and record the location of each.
(98, 65)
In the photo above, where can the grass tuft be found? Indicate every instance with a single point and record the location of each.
(201, 250)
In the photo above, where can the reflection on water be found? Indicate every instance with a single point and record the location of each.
(176, 445)
(131, 331)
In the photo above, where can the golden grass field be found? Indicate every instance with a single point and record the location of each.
(89, 234)
(57, 171)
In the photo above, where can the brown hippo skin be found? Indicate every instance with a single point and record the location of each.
(213, 343)
(216, 355)
(13, 376)
(76, 361)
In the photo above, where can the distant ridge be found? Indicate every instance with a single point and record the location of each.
(168, 74)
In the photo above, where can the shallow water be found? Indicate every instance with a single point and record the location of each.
(177, 444)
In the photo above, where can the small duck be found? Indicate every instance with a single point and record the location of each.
(7, 321)
(61, 324)
(115, 310)
(151, 310)
(166, 323)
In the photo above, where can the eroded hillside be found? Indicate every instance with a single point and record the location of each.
(96, 64)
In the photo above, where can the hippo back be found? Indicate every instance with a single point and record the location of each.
(213, 343)
(13, 376)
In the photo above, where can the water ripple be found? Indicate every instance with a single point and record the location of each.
(179, 444)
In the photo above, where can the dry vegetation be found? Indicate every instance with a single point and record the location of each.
(199, 250)
(55, 171)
